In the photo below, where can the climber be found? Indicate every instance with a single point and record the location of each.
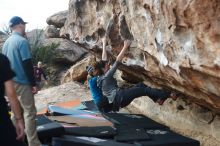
(100, 100)
(107, 87)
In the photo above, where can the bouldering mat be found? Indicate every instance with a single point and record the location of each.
(47, 128)
(59, 111)
(84, 141)
(162, 137)
(99, 131)
(81, 121)
(90, 105)
(67, 104)
(126, 134)
(133, 120)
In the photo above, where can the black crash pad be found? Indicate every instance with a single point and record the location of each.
(100, 131)
(84, 141)
(90, 105)
(167, 138)
(126, 134)
(47, 128)
(133, 120)
(42, 119)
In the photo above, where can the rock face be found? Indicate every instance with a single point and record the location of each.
(52, 32)
(57, 19)
(77, 72)
(3, 38)
(66, 51)
(35, 37)
(175, 46)
(177, 41)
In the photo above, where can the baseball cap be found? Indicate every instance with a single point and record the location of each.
(89, 69)
(15, 21)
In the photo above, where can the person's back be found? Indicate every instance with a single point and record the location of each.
(95, 90)
(100, 100)
(108, 83)
(16, 49)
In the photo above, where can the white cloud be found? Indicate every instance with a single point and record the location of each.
(35, 12)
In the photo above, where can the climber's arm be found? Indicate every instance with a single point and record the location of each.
(124, 49)
(104, 52)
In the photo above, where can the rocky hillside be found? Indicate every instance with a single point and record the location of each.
(3, 38)
(175, 46)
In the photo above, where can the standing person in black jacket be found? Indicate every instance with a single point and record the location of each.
(39, 72)
(9, 136)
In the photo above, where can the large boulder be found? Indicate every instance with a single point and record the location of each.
(35, 37)
(175, 46)
(65, 51)
(52, 32)
(77, 72)
(177, 41)
(57, 19)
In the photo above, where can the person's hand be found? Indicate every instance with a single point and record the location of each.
(20, 129)
(34, 90)
(127, 43)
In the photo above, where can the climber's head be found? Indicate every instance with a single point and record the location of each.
(100, 68)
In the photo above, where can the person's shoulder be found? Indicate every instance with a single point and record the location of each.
(23, 40)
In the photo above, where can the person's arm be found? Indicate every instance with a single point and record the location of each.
(104, 52)
(119, 58)
(27, 64)
(44, 75)
(124, 49)
(15, 106)
(112, 70)
(29, 71)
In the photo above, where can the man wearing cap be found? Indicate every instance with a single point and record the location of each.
(17, 49)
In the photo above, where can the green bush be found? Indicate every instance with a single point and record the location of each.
(45, 54)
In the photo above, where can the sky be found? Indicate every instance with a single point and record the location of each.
(35, 12)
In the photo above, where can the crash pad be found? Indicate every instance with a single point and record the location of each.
(162, 137)
(85, 141)
(81, 121)
(47, 128)
(133, 120)
(90, 105)
(59, 111)
(99, 131)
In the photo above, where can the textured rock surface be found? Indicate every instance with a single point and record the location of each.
(67, 52)
(57, 19)
(52, 32)
(35, 37)
(177, 41)
(175, 46)
(3, 38)
(77, 72)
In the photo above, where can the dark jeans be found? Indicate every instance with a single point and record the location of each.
(7, 130)
(104, 105)
(125, 96)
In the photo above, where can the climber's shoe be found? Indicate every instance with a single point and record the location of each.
(173, 96)
(160, 101)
